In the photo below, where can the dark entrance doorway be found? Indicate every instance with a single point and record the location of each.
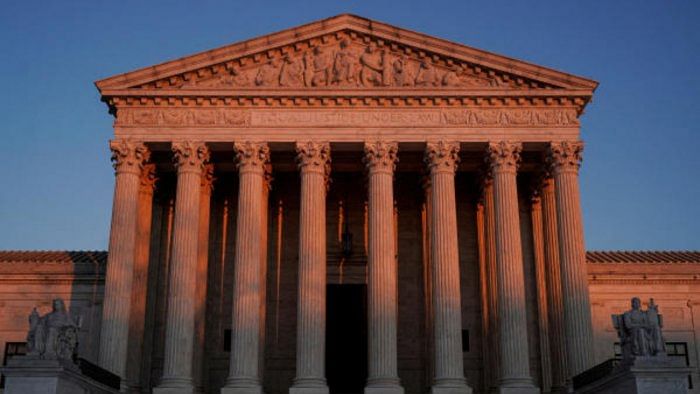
(346, 338)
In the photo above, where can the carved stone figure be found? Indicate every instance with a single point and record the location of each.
(427, 75)
(640, 331)
(345, 65)
(292, 74)
(402, 72)
(268, 74)
(322, 68)
(54, 335)
(372, 66)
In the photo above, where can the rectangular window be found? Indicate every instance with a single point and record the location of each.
(465, 340)
(12, 349)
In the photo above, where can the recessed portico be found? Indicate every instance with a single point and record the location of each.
(347, 151)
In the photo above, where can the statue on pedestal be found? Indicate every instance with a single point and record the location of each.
(54, 335)
(640, 331)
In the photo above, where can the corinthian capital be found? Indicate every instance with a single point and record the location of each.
(208, 178)
(314, 156)
(381, 156)
(148, 177)
(251, 156)
(190, 155)
(128, 156)
(503, 156)
(565, 155)
(442, 156)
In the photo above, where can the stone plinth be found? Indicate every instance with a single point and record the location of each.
(32, 375)
(646, 375)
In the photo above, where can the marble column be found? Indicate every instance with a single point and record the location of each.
(265, 201)
(492, 277)
(189, 158)
(504, 158)
(139, 293)
(541, 290)
(380, 159)
(199, 361)
(129, 158)
(245, 330)
(565, 158)
(554, 291)
(442, 159)
(313, 160)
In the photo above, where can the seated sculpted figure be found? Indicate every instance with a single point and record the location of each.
(640, 331)
(54, 335)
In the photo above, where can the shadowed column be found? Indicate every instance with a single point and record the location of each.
(313, 160)
(442, 159)
(129, 158)
(189, 159)
(139, 294)
(554, 292)
(245, 330)
(504, 158)
(380, 159)
(565, 159)
(541, 290)
(200, 359)
(492, 275)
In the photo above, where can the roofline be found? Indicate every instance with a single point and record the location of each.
(339, 22)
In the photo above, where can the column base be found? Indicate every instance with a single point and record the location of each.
(384, 389)
(518, 386)
(321, 389)
(173, 390)
(174, 386)
(450, 389)
(242, 390)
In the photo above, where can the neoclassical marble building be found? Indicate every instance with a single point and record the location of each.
(347, 206)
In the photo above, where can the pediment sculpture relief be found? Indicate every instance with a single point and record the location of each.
(345, 63)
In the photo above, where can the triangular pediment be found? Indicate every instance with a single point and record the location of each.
(344, 52)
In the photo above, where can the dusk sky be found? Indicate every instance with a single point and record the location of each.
(640, 178)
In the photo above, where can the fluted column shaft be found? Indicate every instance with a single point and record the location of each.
(128, 158)
(554, 290)
(314, 163)
(189, 159)
(200, 359)
(380, 158)
(139, 292)
(492, 275)
(565, 158)
(541, 290)
(245, 331)
(442, 159)
(515, 377)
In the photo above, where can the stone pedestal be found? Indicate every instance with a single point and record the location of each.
(646, 375)
(32, 375)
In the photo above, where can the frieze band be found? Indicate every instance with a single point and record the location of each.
(222, 117)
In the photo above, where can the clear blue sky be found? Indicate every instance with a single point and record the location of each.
(640, 178)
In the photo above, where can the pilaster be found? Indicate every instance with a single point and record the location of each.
(442, 159)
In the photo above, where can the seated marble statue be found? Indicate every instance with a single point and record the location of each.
(640, 331)
(54, 335)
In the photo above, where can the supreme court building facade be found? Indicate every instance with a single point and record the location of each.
(347, 206)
